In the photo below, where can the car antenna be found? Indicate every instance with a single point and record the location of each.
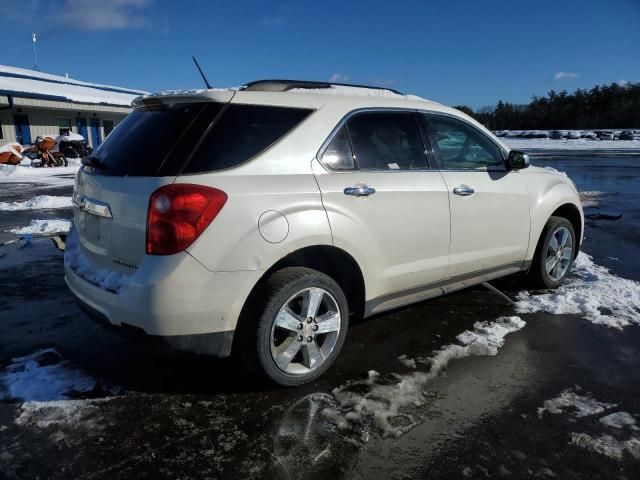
(206, 82)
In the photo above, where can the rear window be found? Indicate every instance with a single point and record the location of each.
(144, 142)
(160, 140)
(241, 133)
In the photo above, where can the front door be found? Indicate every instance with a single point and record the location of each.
(96, 138)
(490, 218)
(384, 203)
(81, 123)
(23, 132)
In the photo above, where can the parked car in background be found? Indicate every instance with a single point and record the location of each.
(573, 134)
(626, 135)
(270, 216)
(605, 135)
(556, 135)
(588, 135)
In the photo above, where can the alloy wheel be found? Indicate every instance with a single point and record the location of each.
(559, 253)
(305, 331)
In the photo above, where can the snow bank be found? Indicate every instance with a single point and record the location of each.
(43, 376)
(43, 227)
(595, 293)
(385, 403)
(41, 202)
(84, 268)
(578, 144)
(577, 405)
(24, 173)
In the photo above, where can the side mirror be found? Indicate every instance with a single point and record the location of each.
(517, 160)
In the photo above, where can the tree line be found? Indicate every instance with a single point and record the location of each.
(606, 106)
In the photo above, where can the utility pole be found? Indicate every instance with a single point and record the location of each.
(35, 56)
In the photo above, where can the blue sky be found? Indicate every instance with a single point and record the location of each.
(454, 51)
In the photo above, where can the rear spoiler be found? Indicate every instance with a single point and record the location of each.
(170, 97)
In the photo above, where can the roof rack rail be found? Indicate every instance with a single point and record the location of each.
(285, 85)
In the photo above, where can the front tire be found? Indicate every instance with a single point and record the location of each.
(554, 254)
(302, 318)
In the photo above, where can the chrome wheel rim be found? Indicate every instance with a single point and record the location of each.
(559, 253)
(305, 331)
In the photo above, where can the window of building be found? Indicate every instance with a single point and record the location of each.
(64, 126)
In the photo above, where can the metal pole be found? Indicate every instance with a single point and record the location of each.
(35, 55)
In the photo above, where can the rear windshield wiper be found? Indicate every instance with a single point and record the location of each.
(94, 162)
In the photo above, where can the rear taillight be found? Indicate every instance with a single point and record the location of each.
(178, 214)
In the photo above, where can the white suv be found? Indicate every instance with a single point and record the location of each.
(259, 220)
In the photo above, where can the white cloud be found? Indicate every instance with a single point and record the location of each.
(564, 75)
(339, 78)
(622, 82)
(104, 15)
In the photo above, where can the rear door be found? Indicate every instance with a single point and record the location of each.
(490, 218)
(384, 202)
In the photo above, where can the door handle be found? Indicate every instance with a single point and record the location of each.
(463, 190)
(359, 191)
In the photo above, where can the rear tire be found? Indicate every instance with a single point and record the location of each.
(554, 254)
(293, 330)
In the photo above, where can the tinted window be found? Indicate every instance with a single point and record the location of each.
(338, 155)
(242, 132)
(146, 139)
(386, 141)
(463, 147)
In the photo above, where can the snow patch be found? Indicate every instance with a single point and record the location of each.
(75, 260)
(607, 445)
(43, 227)
(43, 376)
(60, 413)
(569, 144)
(577, 405)
(590, 198)
(358, 92)
(407, 362)
(41, 202)
(384, 402)
(595, 293)
(619, 420)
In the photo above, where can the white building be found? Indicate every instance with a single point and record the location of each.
(34, 103)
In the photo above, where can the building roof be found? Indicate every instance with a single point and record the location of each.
(20, 82)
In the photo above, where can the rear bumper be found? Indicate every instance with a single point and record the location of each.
(216, 344)
(172, 300)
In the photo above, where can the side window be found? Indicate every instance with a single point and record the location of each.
(386, 141)
(241, 133)
(338, 154)
(463, 147)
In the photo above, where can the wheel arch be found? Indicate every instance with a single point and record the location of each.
(328, 259)
(571, 213)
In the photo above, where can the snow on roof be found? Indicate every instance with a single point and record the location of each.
(357, 91)
(21, 82)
